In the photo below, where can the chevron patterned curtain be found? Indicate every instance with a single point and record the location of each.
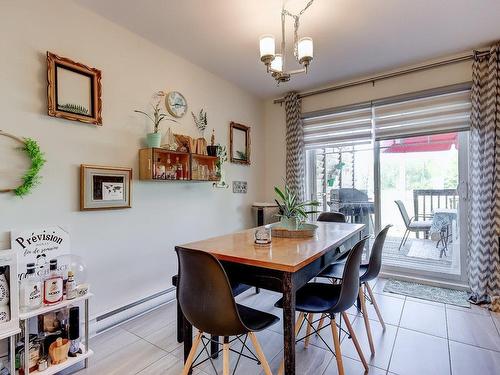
(294, 145)
(484, 181)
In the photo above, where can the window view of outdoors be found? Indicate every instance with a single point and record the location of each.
(419, 180)
(418, 196)
(342, 181)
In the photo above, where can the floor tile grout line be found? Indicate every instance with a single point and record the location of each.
(152, 363)
(448, 339)
(493, 320)
(396, 336)
(475, 346)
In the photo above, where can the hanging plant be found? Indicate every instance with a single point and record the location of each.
(31, 177)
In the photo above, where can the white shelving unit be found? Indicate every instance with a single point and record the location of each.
(86, 352)
(10, 329)
(68, 363)
(45, 309)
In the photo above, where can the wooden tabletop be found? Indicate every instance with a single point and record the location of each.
(284, 254)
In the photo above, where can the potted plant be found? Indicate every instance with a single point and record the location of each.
(292, 212)
(221, 159)
(154, 139)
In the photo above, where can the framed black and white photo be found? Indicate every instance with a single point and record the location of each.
(104, 187)
(74, 90)
(240, 187)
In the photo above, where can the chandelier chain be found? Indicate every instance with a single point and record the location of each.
(296, 23)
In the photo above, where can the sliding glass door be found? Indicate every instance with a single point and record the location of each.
(400, 161)
(421, 195)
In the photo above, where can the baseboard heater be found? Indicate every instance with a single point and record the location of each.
(118, 316)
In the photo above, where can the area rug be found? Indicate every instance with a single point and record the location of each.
(427, 292)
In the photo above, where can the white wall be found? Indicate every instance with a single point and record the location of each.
(130, 253)
(275, 129)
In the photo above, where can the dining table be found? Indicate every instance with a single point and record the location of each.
(283, 266)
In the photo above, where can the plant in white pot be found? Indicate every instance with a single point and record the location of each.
(292, 211)
(154, 139)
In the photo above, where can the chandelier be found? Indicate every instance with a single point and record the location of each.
(302, 49)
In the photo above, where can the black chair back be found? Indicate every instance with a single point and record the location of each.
(205, 296)
(332, 217)
(375, 262)
(350, 278)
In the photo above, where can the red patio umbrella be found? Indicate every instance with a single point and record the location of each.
(426, 143)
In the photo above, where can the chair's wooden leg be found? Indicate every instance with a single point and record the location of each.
(310, 319)
(192, 352)
(297, 329)
(355, 340)
(321, 321)
(225, 356)
(260, 354)
(375, 305)
(365, 318)
(336, 344)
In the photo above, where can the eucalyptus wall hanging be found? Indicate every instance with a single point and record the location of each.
(31, 177)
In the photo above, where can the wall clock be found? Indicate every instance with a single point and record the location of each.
(176, 104)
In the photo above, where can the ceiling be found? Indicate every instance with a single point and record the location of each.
(351, 37)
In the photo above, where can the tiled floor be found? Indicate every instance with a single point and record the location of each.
(422, 337)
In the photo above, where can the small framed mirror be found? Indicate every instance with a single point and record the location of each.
(239, 143)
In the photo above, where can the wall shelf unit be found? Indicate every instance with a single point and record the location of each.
(157, 164)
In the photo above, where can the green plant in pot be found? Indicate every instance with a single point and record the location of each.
(154, 139)
(292, 211)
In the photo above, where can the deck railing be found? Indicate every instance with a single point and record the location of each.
(425, 201)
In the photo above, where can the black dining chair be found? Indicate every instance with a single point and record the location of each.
(332, 217)
(207, 302)
(368, 273)
(331, 299)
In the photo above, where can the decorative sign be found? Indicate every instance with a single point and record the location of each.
(240, 187)
(39, 246)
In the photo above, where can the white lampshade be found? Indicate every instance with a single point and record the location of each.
(267, 45)
(277, 63)
(305, 48)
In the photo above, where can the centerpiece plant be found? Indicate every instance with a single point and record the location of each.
(292, 211)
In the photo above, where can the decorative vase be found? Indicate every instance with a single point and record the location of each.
(291, 223)
(153, 139)
(4, 314)
(4, 289)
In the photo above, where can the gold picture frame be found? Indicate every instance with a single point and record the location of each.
(104, 187)
(239, 143)
(74, 90)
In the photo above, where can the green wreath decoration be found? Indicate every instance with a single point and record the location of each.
(31, 177)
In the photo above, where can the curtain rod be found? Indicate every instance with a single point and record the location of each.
(398, 73)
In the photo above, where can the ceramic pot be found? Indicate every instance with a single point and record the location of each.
(212, 150)
(153, 139)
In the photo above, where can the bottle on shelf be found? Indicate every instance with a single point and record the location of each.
(53, 285)
(71, 286)
(178, 168)
(30, 290)
(169, 169)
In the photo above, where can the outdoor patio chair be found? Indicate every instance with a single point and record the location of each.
(411, 224)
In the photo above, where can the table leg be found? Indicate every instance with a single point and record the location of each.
(188, 338)
(288, 324)
(180, 323)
